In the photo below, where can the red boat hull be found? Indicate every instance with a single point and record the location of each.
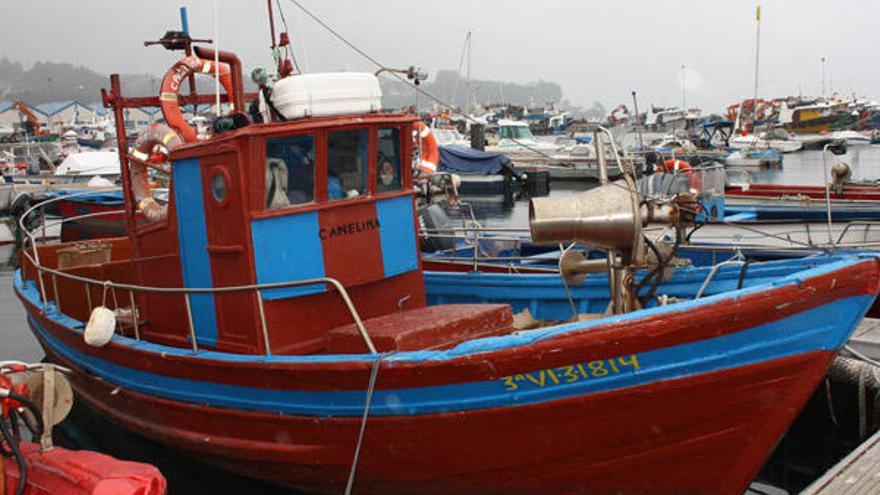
(65, 472)
(584, 445)
(849, 193)
(705, 431)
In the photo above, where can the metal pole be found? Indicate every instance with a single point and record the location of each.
(263, 325)
(683, 88)
(122, 143)
(638, 121)
(757, 59)
(134, 316)
(189, 319)
(827, 190)
(55, 291)
(600, 158)
(467, 108)
(271, 25)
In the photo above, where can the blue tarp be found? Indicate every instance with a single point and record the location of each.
(462, 160)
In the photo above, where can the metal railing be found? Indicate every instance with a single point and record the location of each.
(866, 223)
(34, 258)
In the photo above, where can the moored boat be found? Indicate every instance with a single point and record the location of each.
(275, 314)
(776, 139)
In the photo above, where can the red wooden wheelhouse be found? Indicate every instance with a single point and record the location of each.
(342, 219)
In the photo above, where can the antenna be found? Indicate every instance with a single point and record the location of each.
(757, 60)
(217, 58)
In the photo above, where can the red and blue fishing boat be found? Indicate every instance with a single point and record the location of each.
(273, 318)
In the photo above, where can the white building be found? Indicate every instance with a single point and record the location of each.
(67, 113)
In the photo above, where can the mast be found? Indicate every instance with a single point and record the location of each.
(757, 60)
(683, 99)
(469, 92)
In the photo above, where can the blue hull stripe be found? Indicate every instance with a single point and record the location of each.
(823, 328)
(397, 235)
(192, 232)
(288, 248)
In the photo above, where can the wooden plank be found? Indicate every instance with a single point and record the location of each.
(857, 474)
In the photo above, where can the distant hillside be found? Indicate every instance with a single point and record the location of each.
(51, 81)
(451, 88)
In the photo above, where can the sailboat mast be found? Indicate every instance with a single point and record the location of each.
(469, 93)
(757, 63)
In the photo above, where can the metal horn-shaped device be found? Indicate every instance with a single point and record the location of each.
(606, 217)
(609, 217)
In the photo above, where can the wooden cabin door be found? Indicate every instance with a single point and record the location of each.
(227, 249)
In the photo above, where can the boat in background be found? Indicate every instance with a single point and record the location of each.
(852, 138)
(97, 167)
(815, 117)
(754, 158)
(776, 139)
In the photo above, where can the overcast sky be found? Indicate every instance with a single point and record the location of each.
(597, 50)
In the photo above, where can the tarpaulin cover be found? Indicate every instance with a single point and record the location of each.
(461, 160)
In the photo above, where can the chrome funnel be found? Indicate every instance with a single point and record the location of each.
(606, 217)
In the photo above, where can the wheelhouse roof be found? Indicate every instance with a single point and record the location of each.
(276, 129)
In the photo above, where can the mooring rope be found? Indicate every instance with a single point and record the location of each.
(369, 399)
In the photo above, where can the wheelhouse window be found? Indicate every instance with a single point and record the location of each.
(290, 171)
(346, 164)
(388, 161)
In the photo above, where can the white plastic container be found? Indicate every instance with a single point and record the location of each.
(325, 94)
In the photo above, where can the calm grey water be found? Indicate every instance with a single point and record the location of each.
(16, 340)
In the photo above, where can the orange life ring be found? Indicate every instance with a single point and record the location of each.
(168, 95)
(680, 166)
(422, 136)
(152, 146)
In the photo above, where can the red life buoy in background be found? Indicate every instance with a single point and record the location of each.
(152, 147)
(168, 95)
(673, 166)
(423, 137)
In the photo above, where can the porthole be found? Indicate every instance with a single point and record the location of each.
(220, 186)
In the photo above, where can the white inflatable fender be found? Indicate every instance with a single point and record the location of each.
(100, 328)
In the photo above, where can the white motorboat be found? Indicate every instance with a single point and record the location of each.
(852, 138)
(672, 144)
(777, 139)
(449, 137)
(89, 164)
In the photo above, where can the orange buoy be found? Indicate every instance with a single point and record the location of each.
(423, 137)
(170, 92)
(152, 147)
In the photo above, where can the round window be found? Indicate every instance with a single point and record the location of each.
(218, 186)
